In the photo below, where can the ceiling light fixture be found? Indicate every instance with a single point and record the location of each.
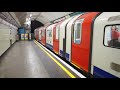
(30, 15)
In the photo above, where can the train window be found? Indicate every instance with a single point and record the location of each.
(112, 36)
(77, 31)
(43, 33)
(49, 33)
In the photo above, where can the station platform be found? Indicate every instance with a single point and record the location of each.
(29, 59)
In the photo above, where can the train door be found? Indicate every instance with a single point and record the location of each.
(106, 46)
(56, 34)
(56, 38)
(43, 38)
(69, 38)
(76, 42)
(81, 35)
(49, 36)
(62, 39)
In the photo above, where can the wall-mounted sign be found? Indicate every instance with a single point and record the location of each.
(26, 36)
(22, 36)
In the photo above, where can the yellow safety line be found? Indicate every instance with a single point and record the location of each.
(75, 65)
(68, 72)
(56, 52)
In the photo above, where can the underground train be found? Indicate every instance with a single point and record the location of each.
(8, 35)
(90, 41)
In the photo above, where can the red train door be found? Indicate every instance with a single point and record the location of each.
(55, 39)
(56, 31)
(81, 40)
(43, 39)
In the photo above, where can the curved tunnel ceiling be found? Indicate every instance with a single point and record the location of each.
(42, 17)
(19, 18)
(45, 17)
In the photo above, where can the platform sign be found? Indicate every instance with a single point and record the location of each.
(22, 36)
(26, 36)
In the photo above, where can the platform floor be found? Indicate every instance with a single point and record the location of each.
(25, 60)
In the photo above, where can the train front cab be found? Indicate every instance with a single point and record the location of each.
(106, 49)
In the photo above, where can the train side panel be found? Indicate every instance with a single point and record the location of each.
(106, 50)
(49, 36)
(68, 38)
(62, 39)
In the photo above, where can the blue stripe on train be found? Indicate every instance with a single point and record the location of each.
(61, 53)
(99, 73)
(67, 56)
(49, 46)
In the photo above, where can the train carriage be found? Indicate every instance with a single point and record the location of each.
(90, 41)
